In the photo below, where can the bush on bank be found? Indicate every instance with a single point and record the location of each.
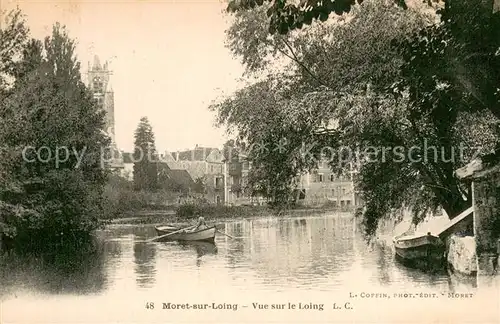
(51, 130)
(54, 200)
(121, 198)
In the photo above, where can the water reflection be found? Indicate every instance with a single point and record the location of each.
(238, 247)
(460, 283)
(201, 248)
(299, 251)
(144, 259)
(311, 253)
(383, 266)
(65, 273)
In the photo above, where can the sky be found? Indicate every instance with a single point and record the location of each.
(168, 60)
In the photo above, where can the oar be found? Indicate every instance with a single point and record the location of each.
(226, 234)
(168, 234)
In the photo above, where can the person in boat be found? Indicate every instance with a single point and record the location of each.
(200, 225)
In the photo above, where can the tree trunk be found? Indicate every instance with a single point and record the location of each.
(452, 201)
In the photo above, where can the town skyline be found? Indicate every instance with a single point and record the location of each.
(168, 61)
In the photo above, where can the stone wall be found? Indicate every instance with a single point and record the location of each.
(486, 220)
(462, 254)
(487, 213)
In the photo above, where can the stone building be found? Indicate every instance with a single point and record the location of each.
(485, 183)
(203, 163)
(237, 190)
(99, 82)
(322, 186)
(318, 187)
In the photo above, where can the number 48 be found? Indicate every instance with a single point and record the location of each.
(150, 305)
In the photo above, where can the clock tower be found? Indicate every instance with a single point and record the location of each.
(100, 85)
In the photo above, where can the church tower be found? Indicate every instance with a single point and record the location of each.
(99, 82)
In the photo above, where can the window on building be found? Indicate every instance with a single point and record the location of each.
(100, 101)
(332, 177)
(348, 203)
(333, 192)
(343, 191)
(97, 85)
(342, 203)
(320, 177)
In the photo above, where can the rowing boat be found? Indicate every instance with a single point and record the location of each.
(205, 234)
(166, 229)
(424, 247)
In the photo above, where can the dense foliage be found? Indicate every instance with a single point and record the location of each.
(383, 89)
(200, 186)
(286, 15)
(52, 180)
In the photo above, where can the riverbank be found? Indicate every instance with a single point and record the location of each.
(222, 214)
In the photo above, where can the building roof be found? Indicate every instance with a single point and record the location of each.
(128, 157)
(179, 177)
(175, 165)
(476, 169)
(197, 154)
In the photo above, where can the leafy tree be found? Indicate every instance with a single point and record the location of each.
(285, 16)
(52, 132)
(455, 66)
(231, 149)
(14, 37)
(236, 188)
(349, 73)
(145, 158)
(264, 123)
(294, 107)
(359, 41)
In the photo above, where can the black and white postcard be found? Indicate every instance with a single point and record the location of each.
(249, 161)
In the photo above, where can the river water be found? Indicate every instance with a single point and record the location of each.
(286, 270)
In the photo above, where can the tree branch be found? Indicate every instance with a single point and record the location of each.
(300, 63)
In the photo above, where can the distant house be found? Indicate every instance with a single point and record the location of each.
(203, 163)
(322, 185)
(175, 180)
(238, 191)
(179, 171)
(317, 187)
(199, 162)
